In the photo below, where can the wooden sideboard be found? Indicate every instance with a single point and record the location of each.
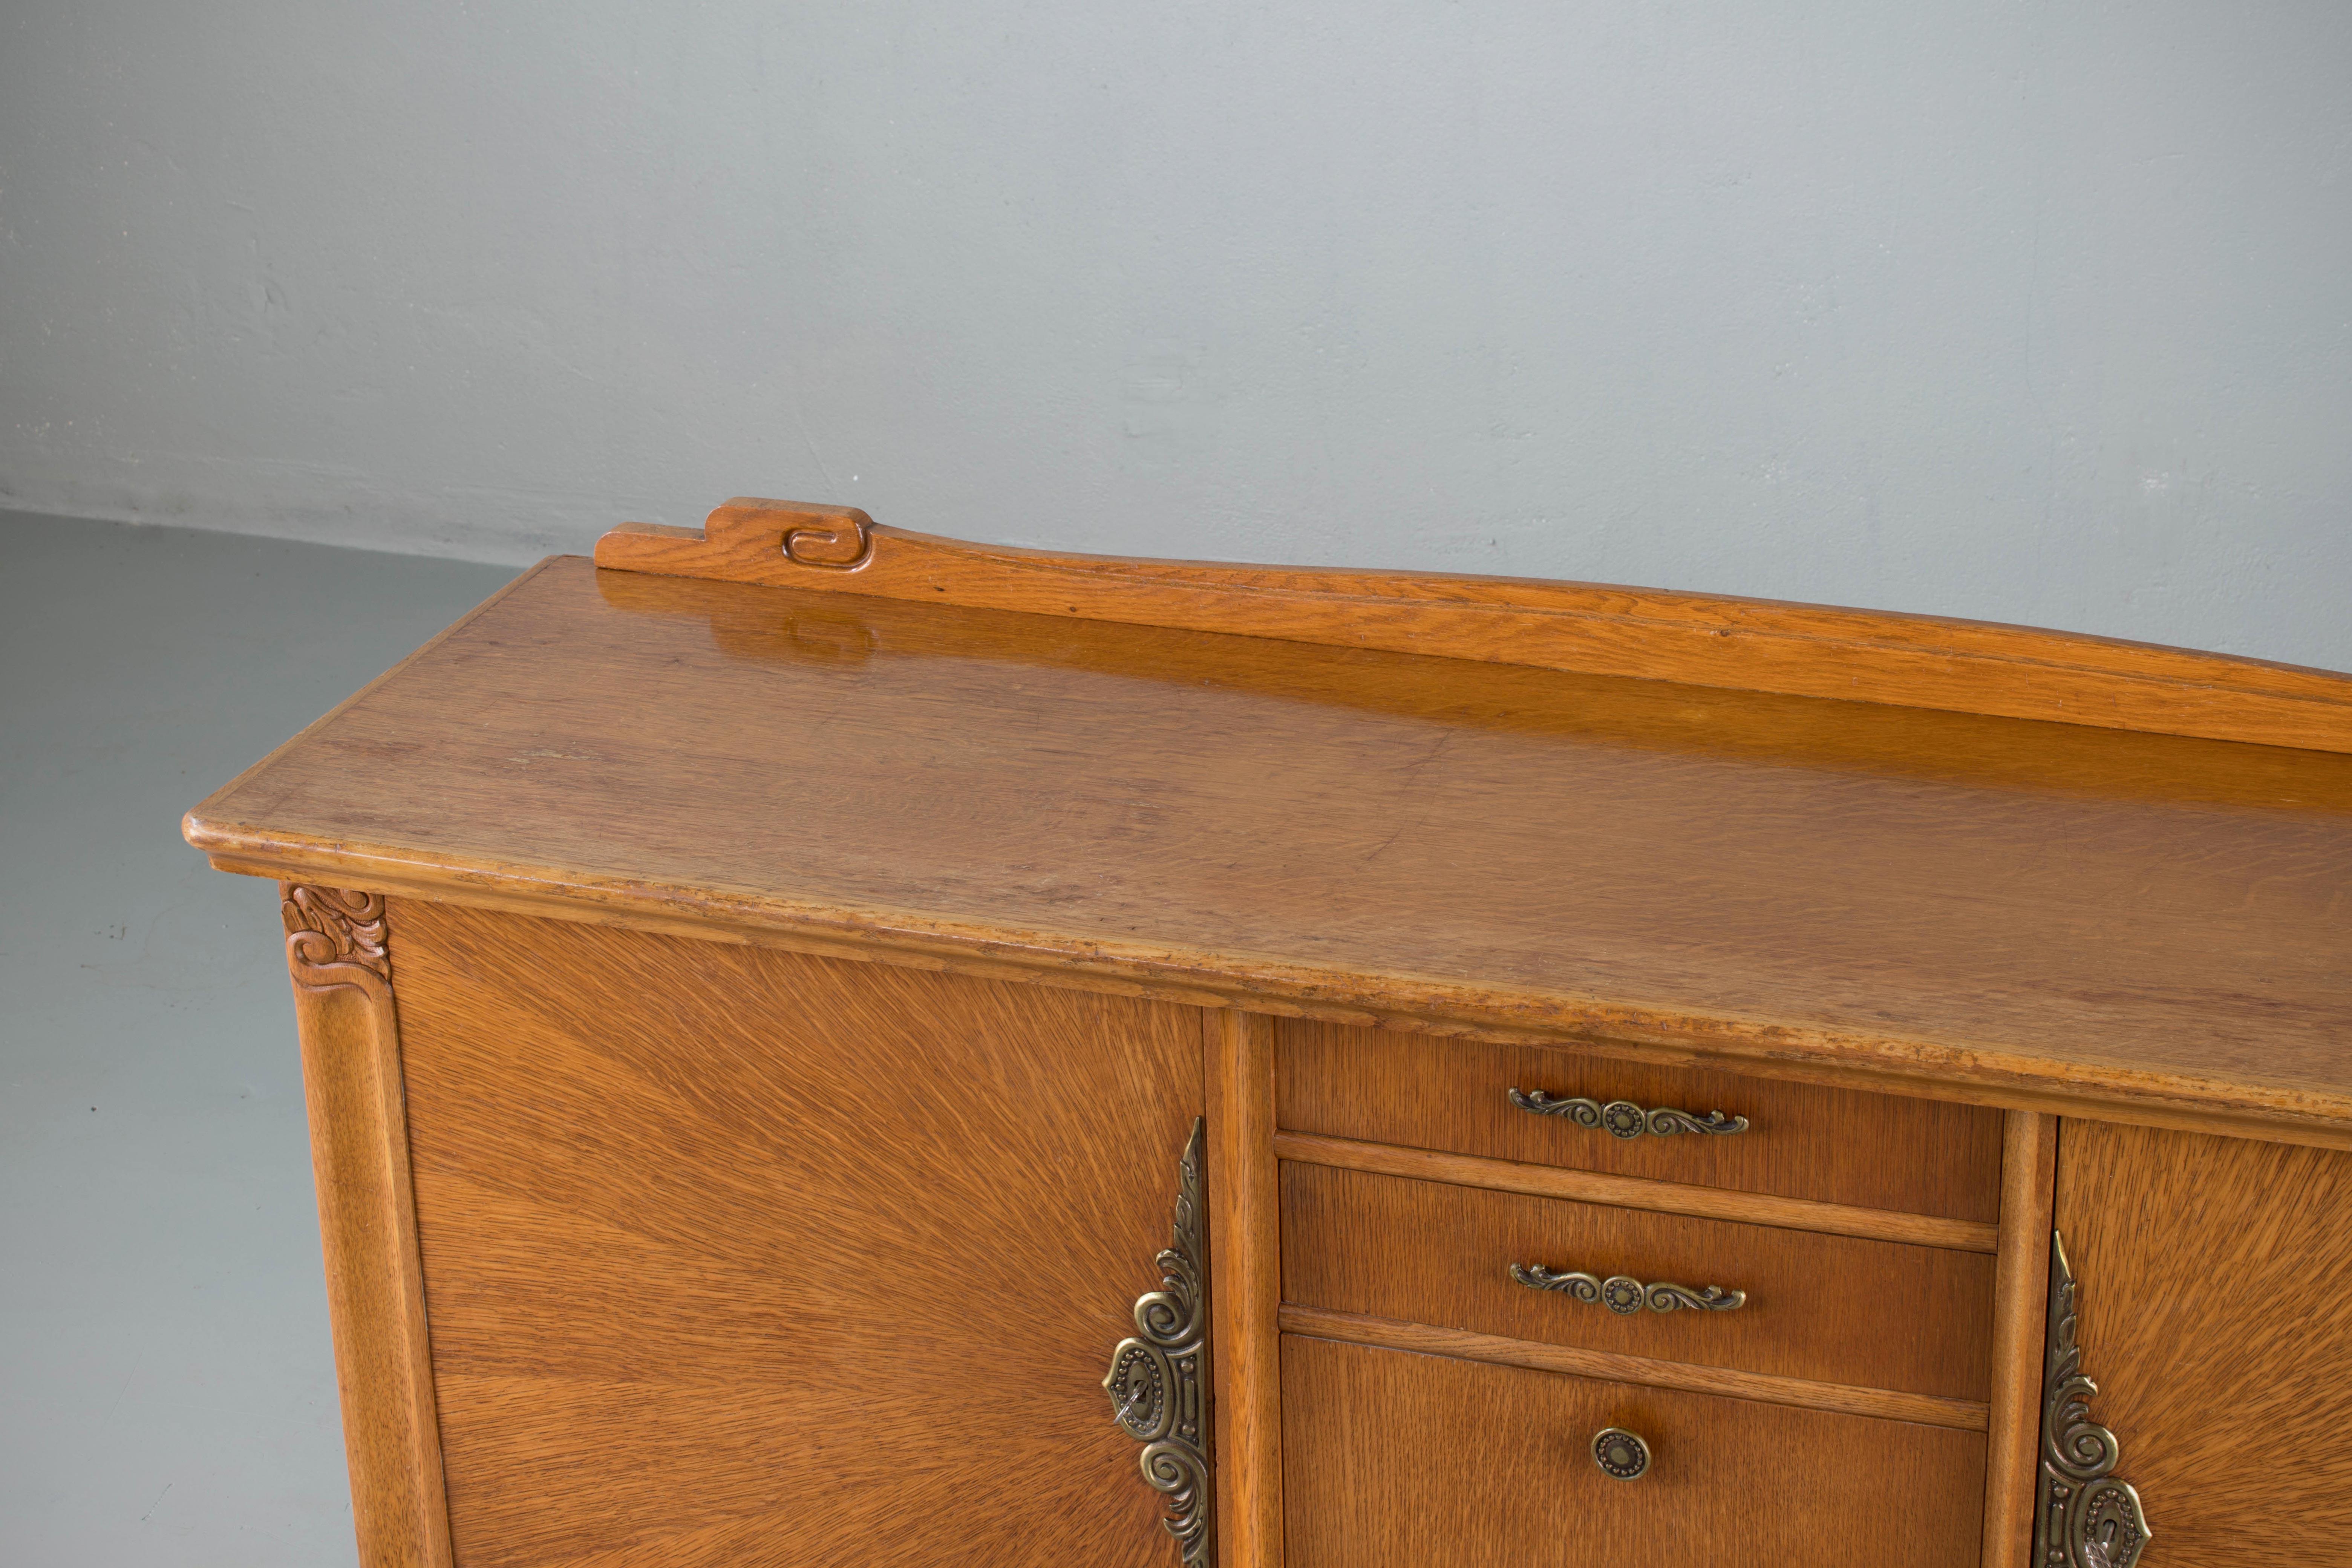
(831, 1045)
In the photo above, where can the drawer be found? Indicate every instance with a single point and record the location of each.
(1393, 1461)
(1832, 1145)
(1831, 1309)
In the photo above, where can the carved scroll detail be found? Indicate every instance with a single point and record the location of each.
(1624, 1119)
(1158, 1381)
(854, 527)
(335, 937)
(2085, 1517)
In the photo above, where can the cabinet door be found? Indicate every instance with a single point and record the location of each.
(735, 1256)
(2213, 1288)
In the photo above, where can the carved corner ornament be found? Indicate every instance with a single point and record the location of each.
(1158, 1380)
(335, 937)
(2084, 1516)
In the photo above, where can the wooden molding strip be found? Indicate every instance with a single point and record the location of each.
(2028, 1176)
(1749, 645)
(337, 953)
(1635, 1193)
(1386, 1333)
(1244, 1201)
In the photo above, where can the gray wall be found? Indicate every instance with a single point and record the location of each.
(2028, 311)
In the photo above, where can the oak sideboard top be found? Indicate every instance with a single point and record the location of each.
(2151, 927)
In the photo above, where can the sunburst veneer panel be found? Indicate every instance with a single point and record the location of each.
(2213, 1285)
(738, 1255)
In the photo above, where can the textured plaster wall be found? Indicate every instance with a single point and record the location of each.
(2028, 311)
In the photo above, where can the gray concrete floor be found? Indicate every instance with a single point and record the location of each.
(167, 1394)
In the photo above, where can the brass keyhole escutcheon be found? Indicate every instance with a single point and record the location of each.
(1621, 1455)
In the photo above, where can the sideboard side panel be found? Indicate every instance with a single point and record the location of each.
(338, 956)
(2213, 1282)
(738, 1255)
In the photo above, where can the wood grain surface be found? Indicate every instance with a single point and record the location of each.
(2213, 1284)
(2155, 929)
(1578, 1360)
(1245, 1243)
(740, 1257)
(1637, 1192)
(1827, 1145)
(1393, 1461)
(1810, 651)
(337, 953)
(1825, 1308)
(2020, 1316)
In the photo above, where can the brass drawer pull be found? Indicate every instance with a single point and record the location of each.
(1621, 1455)
(1624, 1119)
(1624, 1294)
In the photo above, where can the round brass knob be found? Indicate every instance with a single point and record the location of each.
(1621, 1455)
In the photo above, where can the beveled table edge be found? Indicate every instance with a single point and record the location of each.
(2001, 1075)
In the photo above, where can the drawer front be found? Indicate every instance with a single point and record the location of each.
(1831, 1309)
(1832, 1145)
(1392, 1460)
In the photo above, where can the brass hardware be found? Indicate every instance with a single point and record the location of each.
(1625, 1295)
(2084, 1516)
(1621, 1455)
(1624, 1119)
(1159, 1381)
